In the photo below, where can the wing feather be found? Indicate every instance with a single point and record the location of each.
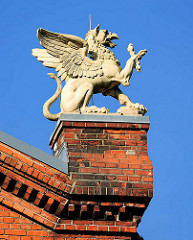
(54, 40)
(67, 54)
(62, 70)
(59, 67)
(50, 64)
(47, 59)
(63, 77)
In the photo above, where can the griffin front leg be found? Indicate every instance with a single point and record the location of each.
(136, 57)
(119, 95)
(130, 108)
(132, 63)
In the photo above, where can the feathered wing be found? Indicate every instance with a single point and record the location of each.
(66, 53)
(43, 56)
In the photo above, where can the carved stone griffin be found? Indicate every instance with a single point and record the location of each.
(88, 67)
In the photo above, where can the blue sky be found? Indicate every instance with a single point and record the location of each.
(164, 87)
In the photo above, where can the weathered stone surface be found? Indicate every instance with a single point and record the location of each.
(84, 76)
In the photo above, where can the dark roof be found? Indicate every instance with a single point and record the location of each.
(59, 164)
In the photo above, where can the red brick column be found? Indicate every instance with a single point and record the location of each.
(110, 166)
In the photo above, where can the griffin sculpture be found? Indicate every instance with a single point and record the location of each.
(88, 67)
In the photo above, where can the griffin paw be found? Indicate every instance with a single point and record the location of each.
(133, 109)
(94, 109)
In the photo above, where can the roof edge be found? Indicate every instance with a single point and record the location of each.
(34, 152)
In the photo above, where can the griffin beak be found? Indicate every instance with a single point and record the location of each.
(112, 36)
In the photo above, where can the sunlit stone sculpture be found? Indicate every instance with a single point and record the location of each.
(100, 72)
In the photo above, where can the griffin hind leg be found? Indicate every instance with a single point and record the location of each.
(88, 94)
(93, 109)
(72, 99)
(77, 99)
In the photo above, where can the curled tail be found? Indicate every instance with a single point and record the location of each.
(50, 101)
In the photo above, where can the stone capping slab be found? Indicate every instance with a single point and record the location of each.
(36, 153)
(99, 118)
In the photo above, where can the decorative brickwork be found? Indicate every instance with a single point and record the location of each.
(104, 195)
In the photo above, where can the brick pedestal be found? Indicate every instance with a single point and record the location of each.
(110, 170)
(96, 187)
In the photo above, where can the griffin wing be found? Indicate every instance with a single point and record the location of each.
(66, 53)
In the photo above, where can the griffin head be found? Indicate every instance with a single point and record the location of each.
(103, 37)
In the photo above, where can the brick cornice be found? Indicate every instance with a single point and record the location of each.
(34, 190)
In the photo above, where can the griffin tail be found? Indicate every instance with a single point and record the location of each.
(50, 101)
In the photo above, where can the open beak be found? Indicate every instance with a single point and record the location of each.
(114, 36)
(110, 37)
